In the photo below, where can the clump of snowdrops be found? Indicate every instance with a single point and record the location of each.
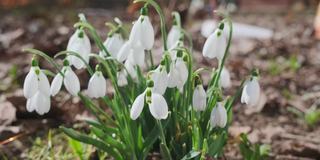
(162, 108)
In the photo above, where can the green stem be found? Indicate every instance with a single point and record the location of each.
(151, 59)
(45, 56)
(162, 20)
(162, 136)
(90, 70)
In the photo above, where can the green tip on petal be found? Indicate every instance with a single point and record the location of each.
(221, 26)
(98, 67)
(81, 34)
(255, 72)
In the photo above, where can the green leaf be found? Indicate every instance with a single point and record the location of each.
(76, 147)
(89, 140)
(191, 154)
(165, 153)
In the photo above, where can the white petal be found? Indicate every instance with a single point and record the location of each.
(160, 80)
(137, 106)
(131, 70)
(137, 56)
(56, 84)
(225, 80)
(199, 98)
(208, 27)
(30, 104)
(122, 78)
(44, 85)
(183, 71)
(173, 36)
(218, 116)
(147, 33)
(158, 106)
(222, 115)
(113, 44)
(93, 86)
(215, 46)
(71, 82)
(173, 78)
(81, 46)
(251, 92)
(30, 85)
(135, 34)
(102, 86)
(124, 52)
(42, 103)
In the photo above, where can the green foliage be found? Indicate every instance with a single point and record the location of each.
(251, 151)
(312, 116)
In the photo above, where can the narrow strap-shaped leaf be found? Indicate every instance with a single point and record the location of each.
(89, 140)
(191, 154)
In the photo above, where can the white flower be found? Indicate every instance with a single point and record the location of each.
(35, 81)
(113, 45)
(173, 36)
(36, 89)
(178, 74)
(134, 54)
(218, 116)
(215, 45)
(142, 32)
(225, 80)
(160, 79)
(79, 43)
(199, 98)
(158, 106)
(70, 80)
(251, 92)
(97, 85)
(122, 78)
(173, 51)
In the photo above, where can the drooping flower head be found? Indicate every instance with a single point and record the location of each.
(218, 116)
(97, 84)
(178, 74)
(225, 80)
(174, 35)
(142, 32)
(160, 79)
(251, 92)
(199, 98)
(157, 104)
(36, 89)
(69, 79)
(122, 77)
(79, 43)
(113, 44)
(216, 44)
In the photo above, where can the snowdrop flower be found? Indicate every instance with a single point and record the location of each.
(173, 51)
(97, 84)
(178, 74)
(113, 44)
(70, 81)
(199, 98)
(218, 116)
(157, 104)
(173, 36)
(135, 55)
(122, 78)
(142, 32)
(225, 80)
(251, 92)
(36, 89)
(160, 79)
(215, 45)
(79, 43)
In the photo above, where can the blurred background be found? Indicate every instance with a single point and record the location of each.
(280, 37)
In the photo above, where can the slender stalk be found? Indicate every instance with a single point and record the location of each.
(151, 59)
